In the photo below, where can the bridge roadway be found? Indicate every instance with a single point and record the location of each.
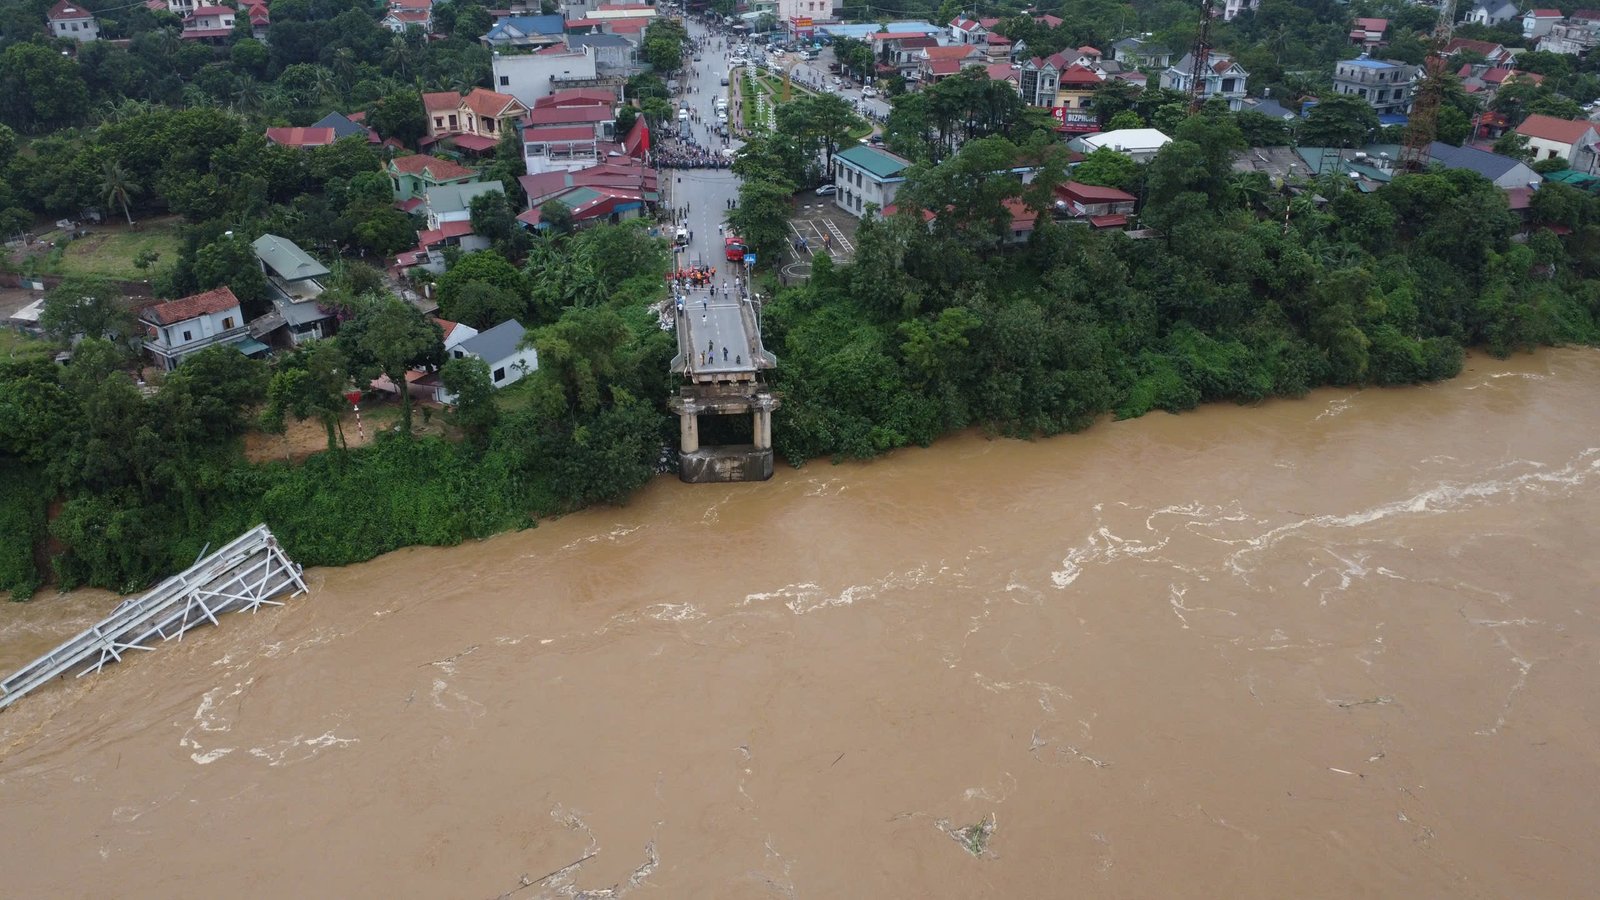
(716, 336)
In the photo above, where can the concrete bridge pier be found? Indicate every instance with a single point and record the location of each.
(738, 462)
(688, 428)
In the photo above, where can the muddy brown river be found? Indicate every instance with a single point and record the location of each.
(1341, 646)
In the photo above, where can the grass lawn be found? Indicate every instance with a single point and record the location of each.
(515, 397)
(109, 250)
(16, 345)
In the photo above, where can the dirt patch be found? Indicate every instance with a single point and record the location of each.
(303, 438)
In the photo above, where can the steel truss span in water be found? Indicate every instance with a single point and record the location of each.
(243, 575)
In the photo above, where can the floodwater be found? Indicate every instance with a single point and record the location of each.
(1342, 646)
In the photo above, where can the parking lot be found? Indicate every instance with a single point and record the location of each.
(817, 226)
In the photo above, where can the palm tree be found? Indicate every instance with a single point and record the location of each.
(247, 98)
(326, 84)
(398, 57)
(117, 187)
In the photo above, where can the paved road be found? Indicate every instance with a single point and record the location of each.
(711, 324)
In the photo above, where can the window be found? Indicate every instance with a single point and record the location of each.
(187, 337)
(535, 149)
(438, 121)
(505, 80)
(227, 322)
(500, 374)
(460, 355)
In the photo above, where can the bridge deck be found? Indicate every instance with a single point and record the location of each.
(718, 338)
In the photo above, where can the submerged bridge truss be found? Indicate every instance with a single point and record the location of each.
(243, 575)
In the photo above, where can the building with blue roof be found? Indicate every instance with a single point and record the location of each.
(525, 31)
(865, 31)
(1386, 85)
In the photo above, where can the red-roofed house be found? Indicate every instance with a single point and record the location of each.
(474, 123)
(1536, 23)
(1552, 138)
(412, 176)
(1368, 33)
(180, 328)
(1494, 54)
(594, 203)
(72, 22)
(398, 20)
(1077, 86)
(301, 138)
(1006, 72)
(578, 97)
(212, 24)
(617, 173)
(1575, 36)
(567, 137)
(1083, 201)
(969, 31)
(935, 63)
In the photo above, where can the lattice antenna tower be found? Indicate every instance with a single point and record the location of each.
(1200, 58)
(1423, 127)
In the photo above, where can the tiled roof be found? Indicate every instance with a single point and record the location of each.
(440, 169)
(1080, 75)
(490, 104)
(419, 16)
(945, 66)
(955, 53)
(64, 11)
(627, 26)
(1549, 128)
(445, 231)
(558, 133)
(441, 100)
(301, 137)
(1545, 13)
(173, 311)
(576, 97)
(1093, 193)
(569, 115)
(1001, 72)
(1378, 25)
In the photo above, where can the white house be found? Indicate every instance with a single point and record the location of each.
(1577, 142)
(866, 176)
(1536, 23)
(71, 21)
(530, 76)
(1492, 12)
(500, 347)
(293, 275)
(1232, 8)
(180, 328)
(1142, 144)
(1223, 77)
(443, 203)
(455, 333)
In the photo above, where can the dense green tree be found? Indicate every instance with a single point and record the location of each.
(1340, 120)
(40, 89)
(467, 378)
(310, 383)
(484, 266)
(400, 116)
(390, 336)
(88, 306)
(1108, 168)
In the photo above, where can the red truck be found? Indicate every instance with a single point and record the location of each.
(734, 249)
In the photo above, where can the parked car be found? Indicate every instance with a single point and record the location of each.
(827, 190)
(724, 81)
(869, 91)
